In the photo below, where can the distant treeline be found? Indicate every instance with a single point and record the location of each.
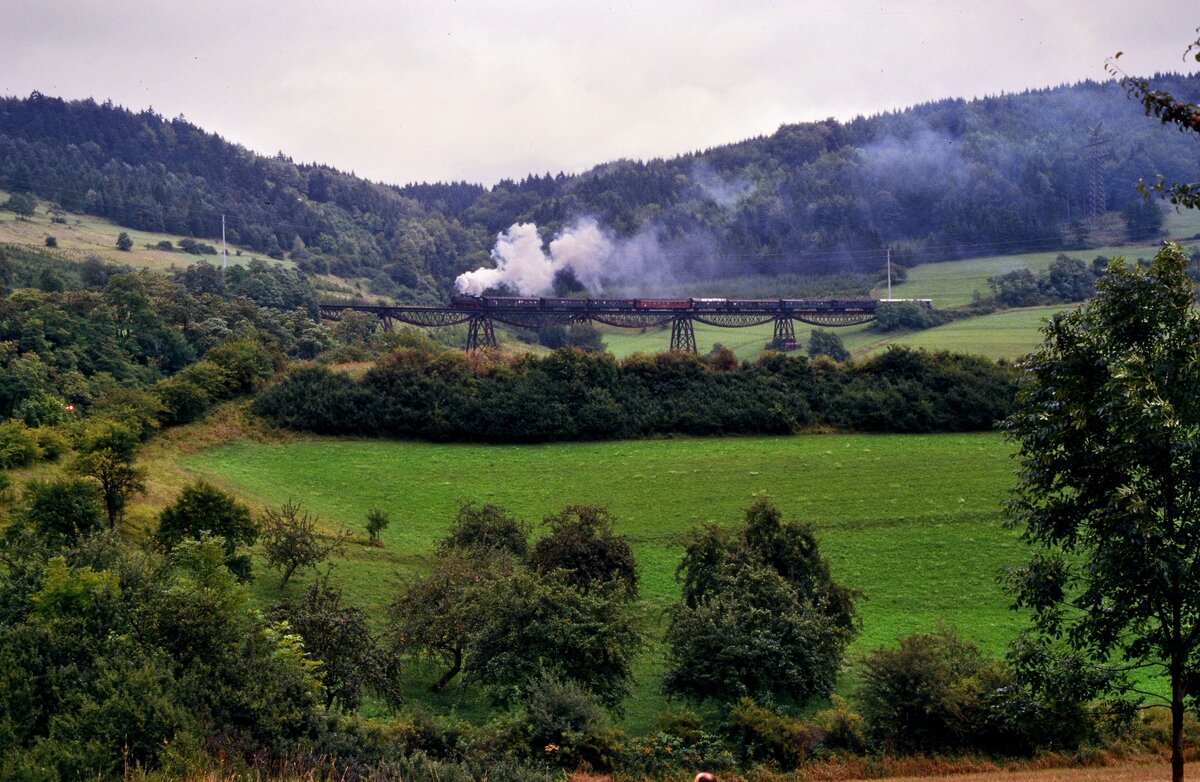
(942, 180)
(569, 395)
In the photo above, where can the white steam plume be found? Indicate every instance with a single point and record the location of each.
(595, 257)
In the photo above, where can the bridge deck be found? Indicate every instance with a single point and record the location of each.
(536, 313)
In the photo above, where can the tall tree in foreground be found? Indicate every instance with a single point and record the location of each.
(1108, 489)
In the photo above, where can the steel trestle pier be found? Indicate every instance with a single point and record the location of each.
(481, 312)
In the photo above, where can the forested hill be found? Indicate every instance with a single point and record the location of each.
(946, 179)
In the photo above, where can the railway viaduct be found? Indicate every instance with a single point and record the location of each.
(481, 313)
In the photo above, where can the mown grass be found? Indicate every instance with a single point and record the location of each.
(1009, 334)
(913, 521)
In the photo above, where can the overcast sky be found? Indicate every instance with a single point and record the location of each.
(406, 90)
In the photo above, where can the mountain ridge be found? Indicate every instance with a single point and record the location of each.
(943, 179)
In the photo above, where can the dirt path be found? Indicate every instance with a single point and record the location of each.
(1140, 772)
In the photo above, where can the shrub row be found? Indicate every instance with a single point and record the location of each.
(569, 395)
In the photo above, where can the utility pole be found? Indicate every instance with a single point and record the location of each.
(224, 254)
(889, 251)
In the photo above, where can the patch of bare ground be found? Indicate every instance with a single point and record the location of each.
(1049, 769)
(1142, 771)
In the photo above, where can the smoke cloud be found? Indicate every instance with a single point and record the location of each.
(594, 255)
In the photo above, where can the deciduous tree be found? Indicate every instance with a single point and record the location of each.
(1108, 492)
(336, 634)
(583, 545)
(202, 507)
(760, 616)
(291, 541)
(107, 457)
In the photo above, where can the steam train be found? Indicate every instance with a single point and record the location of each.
(691, 305)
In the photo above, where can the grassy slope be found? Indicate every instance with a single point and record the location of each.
(85, 235)
(924, 548)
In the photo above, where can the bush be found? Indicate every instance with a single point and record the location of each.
(569, 395)
(906, 316)
(66, 509)
(183, 401)
(826, 343)
(930, 694)
(18, 445)
(52, 442)
(760, 735)
(844, 730)
(203, 508)
(564, 725)
(247, 362)
(377, 521)
(482, 531)
(42, 409)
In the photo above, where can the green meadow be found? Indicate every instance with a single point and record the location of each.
(912, 521)
(1009, 335)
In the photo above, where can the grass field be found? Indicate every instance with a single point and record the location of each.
(1009, 335)
(914, 521)
(84, 235)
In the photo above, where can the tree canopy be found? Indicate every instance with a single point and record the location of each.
(761, 615)
(1108, 431)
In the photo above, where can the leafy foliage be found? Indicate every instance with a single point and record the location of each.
(928, 695)
(66, 509)
(337, 635)
(1109, 484)
(1161, 104)
(583, 546)
(569, 395)
(202, 508)
(760, 616)
(290, 540)
(484, 531)
(111, 656)
(826, 343)
(377, 521)
(1067, 280)
(482, 612)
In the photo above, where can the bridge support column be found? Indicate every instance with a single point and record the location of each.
(480, 333)
(683, 335)
(785, 332)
